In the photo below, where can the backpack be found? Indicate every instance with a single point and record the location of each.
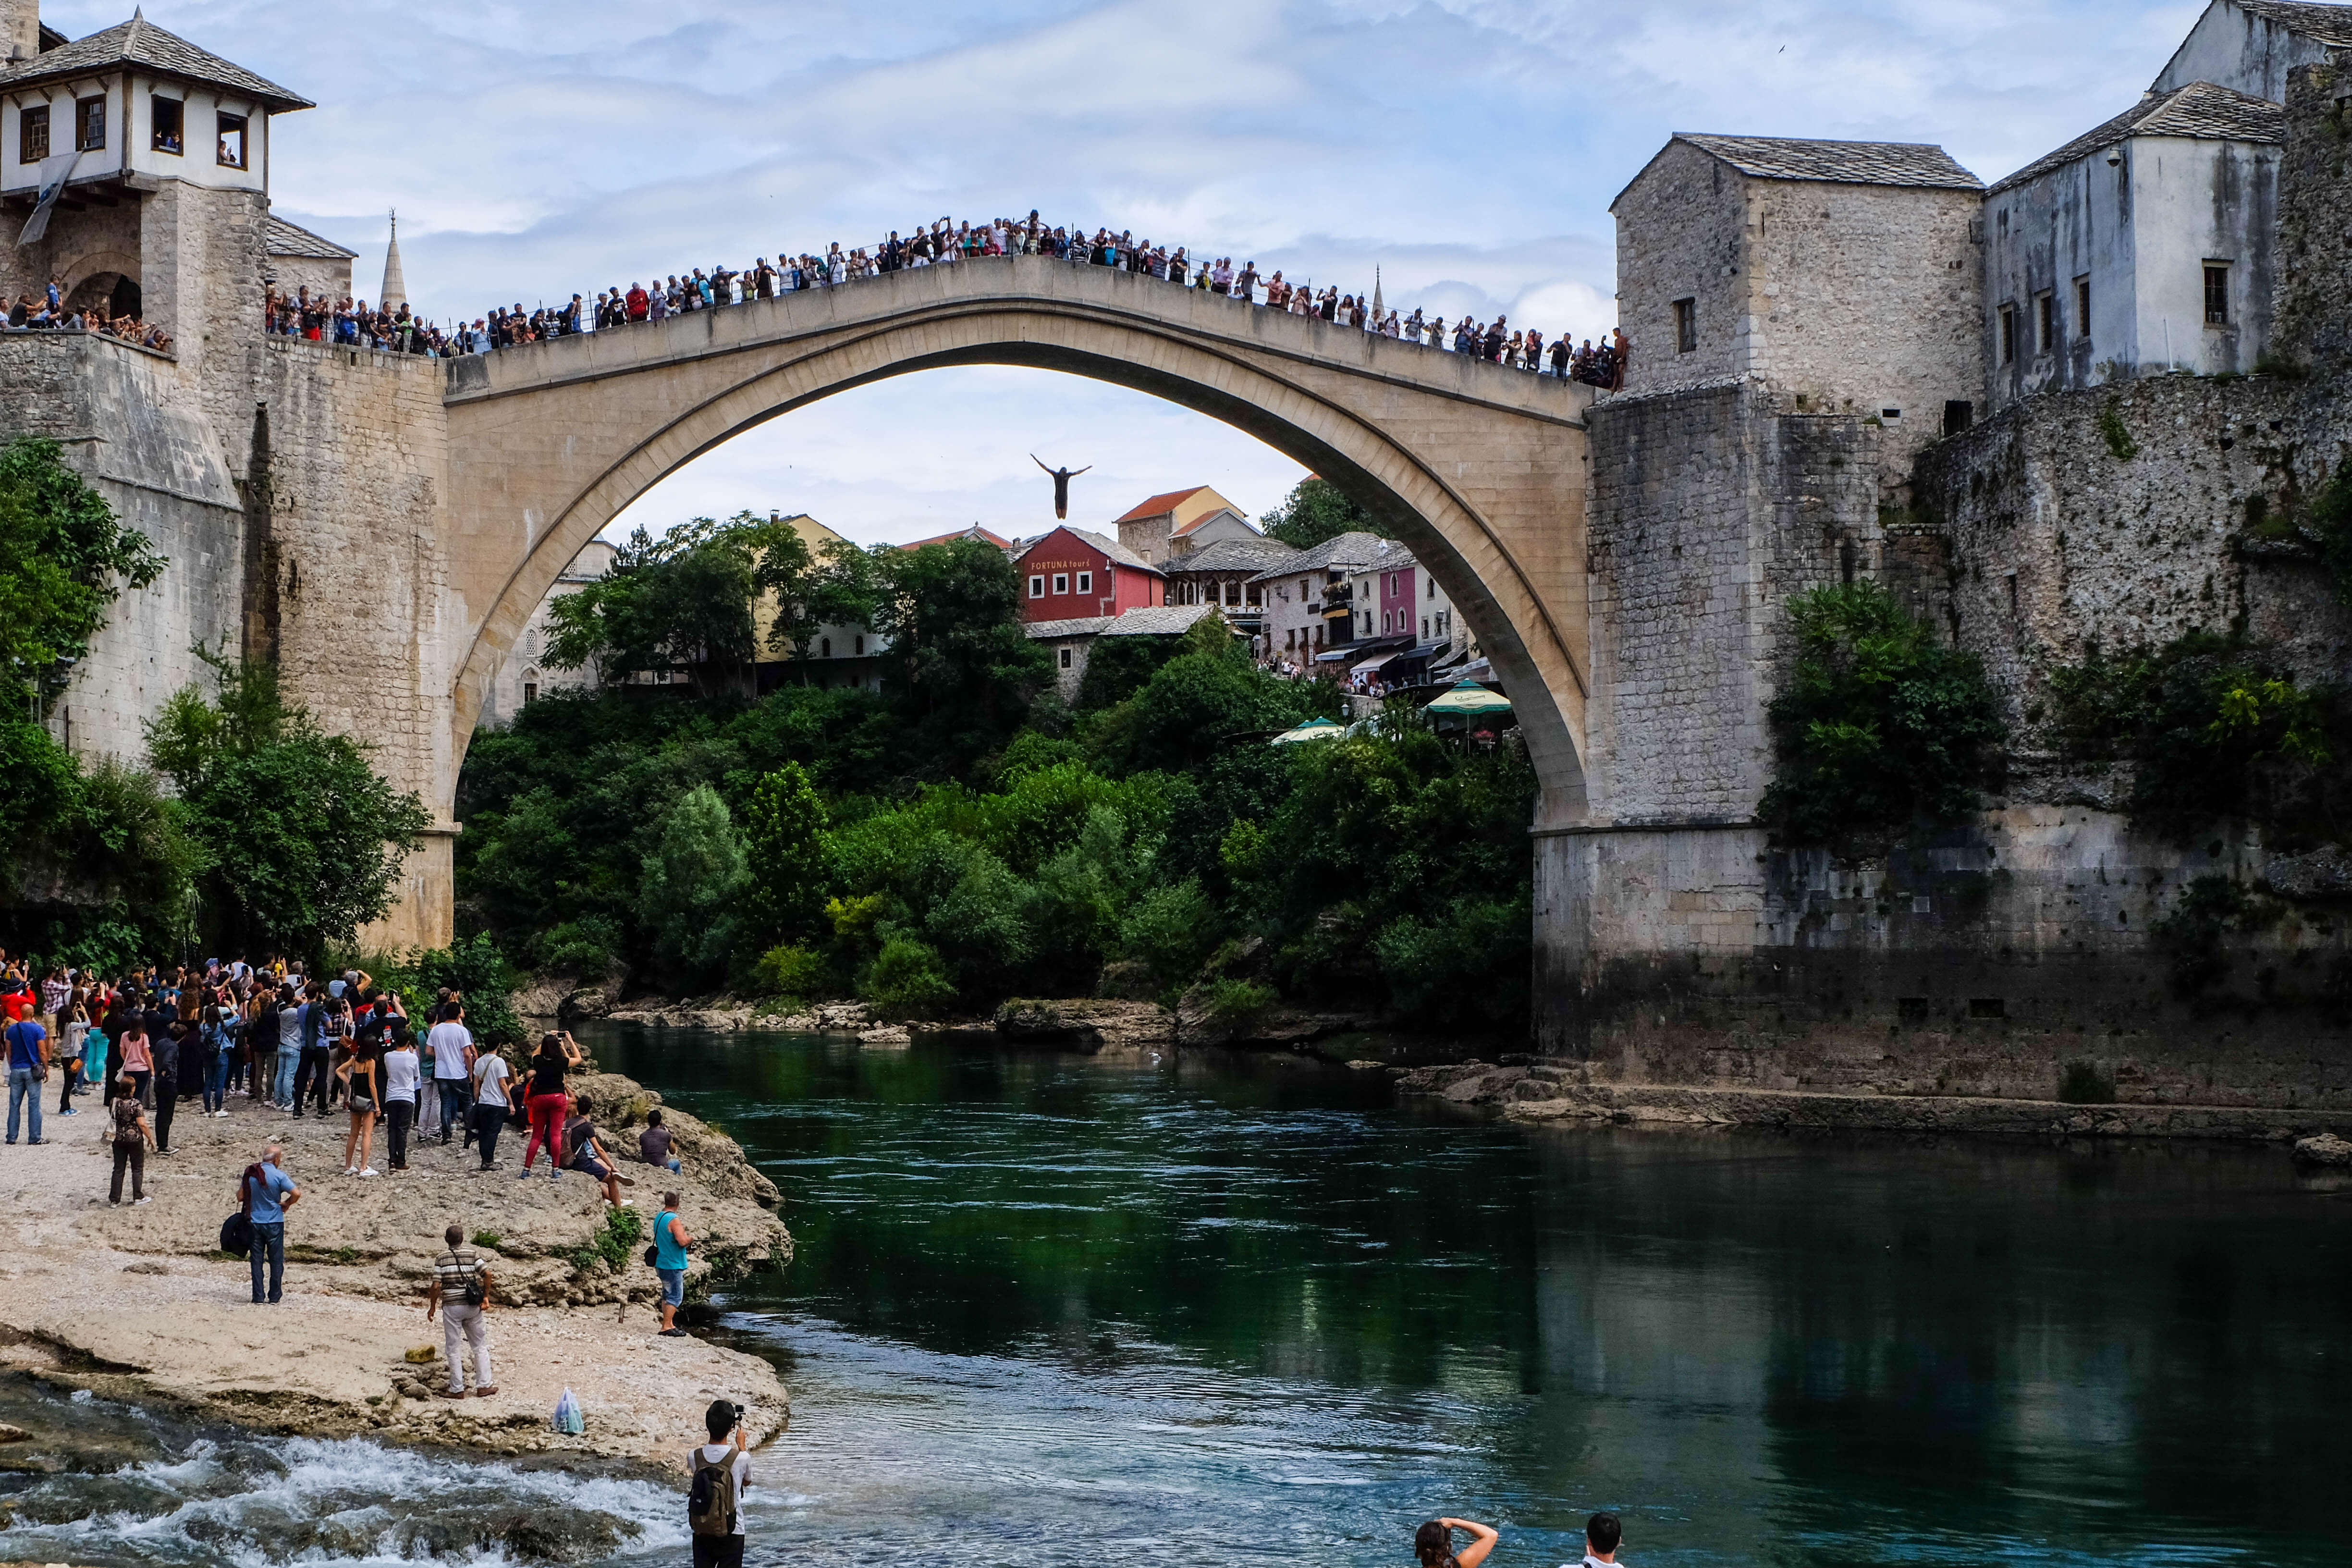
(710, 1505)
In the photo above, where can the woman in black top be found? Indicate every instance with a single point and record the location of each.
(361, 1075)
(547, 1103)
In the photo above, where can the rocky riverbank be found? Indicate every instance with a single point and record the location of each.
(136, 1302)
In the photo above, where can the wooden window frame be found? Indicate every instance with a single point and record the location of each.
(2083, 306)
(2045, 323)
(27, 119)
(86, 121)
(243, 124)
(179, 106)
(1686, 325)
(2217, 293)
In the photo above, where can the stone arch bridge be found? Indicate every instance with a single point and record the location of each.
(1480, 470)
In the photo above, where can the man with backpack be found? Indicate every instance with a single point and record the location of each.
(461, 1292)
(714, 1502)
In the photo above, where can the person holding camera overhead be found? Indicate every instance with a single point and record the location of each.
(714, 1500)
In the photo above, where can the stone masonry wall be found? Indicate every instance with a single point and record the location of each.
(358, 489)
(1709, 508)
(2314, 325)
(124, 420)
(1680, 226)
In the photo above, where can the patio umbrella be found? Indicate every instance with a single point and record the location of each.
(1313, 729)
(1469, 697)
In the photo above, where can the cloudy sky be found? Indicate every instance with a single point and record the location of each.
(1468, 148)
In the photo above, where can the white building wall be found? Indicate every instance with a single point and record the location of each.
(2236, 48)
(523, 668)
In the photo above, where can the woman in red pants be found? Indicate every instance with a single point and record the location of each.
(547, 1102)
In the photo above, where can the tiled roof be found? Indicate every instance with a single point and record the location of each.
(139, 42)
(2328, 23)
(1157, 621)
(1847, 163)
(974, 531)
(1116, 550)
(1232, 556)
(1156, 506)
(1207, 518)
(1346, 552)
(1081, 625)
(280, 238)
(2202, 110)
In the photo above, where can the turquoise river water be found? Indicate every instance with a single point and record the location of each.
(1229, 1310)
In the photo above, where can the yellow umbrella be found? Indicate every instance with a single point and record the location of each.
(1469, 697)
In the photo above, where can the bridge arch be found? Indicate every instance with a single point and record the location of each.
(1479, 470)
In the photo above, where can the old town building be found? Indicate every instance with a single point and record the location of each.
(1070, 573)
(1163, 527)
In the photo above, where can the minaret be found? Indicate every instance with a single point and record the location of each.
(395, 293)
(1378, 315)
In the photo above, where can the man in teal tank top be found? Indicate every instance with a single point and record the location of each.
(670, 1245)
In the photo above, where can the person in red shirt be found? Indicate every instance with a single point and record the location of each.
(639, 304)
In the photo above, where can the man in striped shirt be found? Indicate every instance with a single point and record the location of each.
(461, 1292)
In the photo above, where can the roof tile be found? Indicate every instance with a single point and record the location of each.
(1847, 163)
(2202, 110)
(142, 43)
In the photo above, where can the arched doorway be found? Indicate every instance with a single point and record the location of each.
(115, 293)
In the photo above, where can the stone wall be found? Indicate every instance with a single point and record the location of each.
(358, 490)
(1709, 508)
(2315, 301)
(125, 426)
(1681, 227)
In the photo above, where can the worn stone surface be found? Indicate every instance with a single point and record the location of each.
(134, 1300)
(1087, 1023)
(2326, 1149)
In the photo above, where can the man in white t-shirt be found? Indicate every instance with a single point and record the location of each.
(1603, 1534)
(453, 1068)
(715, 1512)
(490, 1080)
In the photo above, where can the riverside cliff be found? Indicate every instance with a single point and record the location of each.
(136, 1301)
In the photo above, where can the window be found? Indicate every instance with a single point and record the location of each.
(1959, 414)
(33, 134)
(530, 691)
(2045, 323)
(1037, 587)
(232, 142)
(1060, 583)
(1424, 629)
(1432, 589)
(1368, 623)
(1065, 658)
(90, 123)
(825, 647)
(1233, 593)
(169, 115)
(1685, 326)
(861, 645)
(2083, 306)
(1085, 582)
(2217, 293)
(2008, 334)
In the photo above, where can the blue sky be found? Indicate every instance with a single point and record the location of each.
(1468, 148)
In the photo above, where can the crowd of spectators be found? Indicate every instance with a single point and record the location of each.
(941, 243)
(48, 313)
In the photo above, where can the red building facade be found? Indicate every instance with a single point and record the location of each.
(1074, 572)
(1397, 599)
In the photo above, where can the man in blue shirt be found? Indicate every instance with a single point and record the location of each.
(267, 1191)
(28, 1065)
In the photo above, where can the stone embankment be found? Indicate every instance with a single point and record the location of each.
(1553, 1092)
(136, 1302)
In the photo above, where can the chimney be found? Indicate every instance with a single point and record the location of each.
(23, 20)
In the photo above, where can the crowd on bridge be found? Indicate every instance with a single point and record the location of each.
(276, 1042)
(389, 327)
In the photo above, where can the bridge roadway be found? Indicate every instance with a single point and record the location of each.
(1481, 470)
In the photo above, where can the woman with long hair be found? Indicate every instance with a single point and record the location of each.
(1433, 1543)
(362, 1076)
(548, 1103)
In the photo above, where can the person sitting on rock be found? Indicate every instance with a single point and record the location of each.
(586, 1153)
(655, 1144)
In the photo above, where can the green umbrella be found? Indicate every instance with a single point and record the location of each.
(1469, 697)
(1313, 729)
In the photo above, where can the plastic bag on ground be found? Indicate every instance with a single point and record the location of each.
(567, 1414)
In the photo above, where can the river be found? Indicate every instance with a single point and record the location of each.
(1234, 1310)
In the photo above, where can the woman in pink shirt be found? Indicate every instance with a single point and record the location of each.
(137, 1063)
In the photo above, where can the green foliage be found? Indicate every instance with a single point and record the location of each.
(488, 1238)
(2328, 518)
(63, 560)
(1466, 967)
(1170, 931)
(472, 967)
(589, 948)
(614, 1242)
(680, 602)
(1317, 510)
(1196, 706)
(1117, 667)
(304, 841)
(793, 972)
(784, 832)
(2191, 934)
(687, 891)
(1878, 727)
(907, 980)
(2113, 431)
(1237, 1006)
(959, 666)
(2214, 726)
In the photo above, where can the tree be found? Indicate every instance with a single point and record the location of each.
(688, 889)
(682, 601)
(63, 560)
(784, 829)
(306, 841)
(1317, 510)
(961, 665)
(1878, 726)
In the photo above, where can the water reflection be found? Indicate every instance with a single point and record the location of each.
(1211, 1309)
